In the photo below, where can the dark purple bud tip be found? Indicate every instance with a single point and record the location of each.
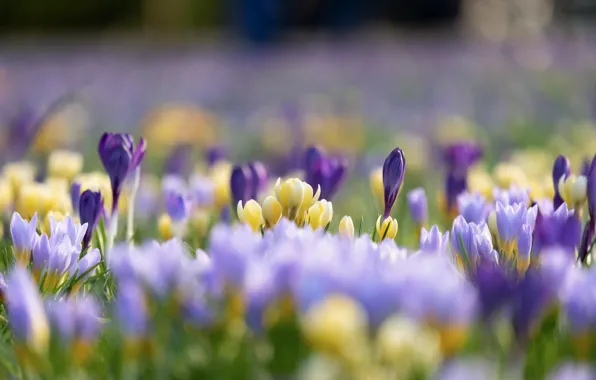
(119, 157)
(259, 177)
(338, 170)
(90, 211)
(561, 168)
(394, 169)
(241, 184)
(591, 175)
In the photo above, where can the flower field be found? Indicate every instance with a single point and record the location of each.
(319, 241)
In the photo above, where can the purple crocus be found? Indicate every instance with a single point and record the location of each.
(120, 157)
(590, 226)
(433, 240)
(24, 237)
(324, 171)
(561, 168)
(394, 170)
(471, 241)
(131, 310)
(259, 177)
(26, 314)
(241, 184)
(561, 229)
(495, 286)
(509, 221)
(90, 211)
(473, 207)
(458, 157)
(418, 205)
(177, 206)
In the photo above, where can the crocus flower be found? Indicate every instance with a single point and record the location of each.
(560, 229)
(512, 195)
(572, 371)
(177, 206)
(241, 184)
(74, 319)
(120, 157)
(459, 157)
(259, 178)
(24, 237)
(495, 286)
(473, 207)
(324, 171)
(91, 208)
(510, 220)
(470, 241)
(131, 310)
(561, 168)
(433, 240)
(25, 310)
(394, 170)
(418, 205)
(590, 226)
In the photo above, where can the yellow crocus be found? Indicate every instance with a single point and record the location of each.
(320, 214)
(387, 229)
(272, 211)
(346, 227)
(376, 185)
(251, 214)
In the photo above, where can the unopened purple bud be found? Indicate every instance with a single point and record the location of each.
(241, 184)
(418, 205)
(119, 157)
(561, 168)
(591, 176)
(460, 156)
(91, 207)
(394, 170)
(259, 177)
(177, 206)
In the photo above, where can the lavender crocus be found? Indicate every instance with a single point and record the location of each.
(512, 195)
(433, 240)
(25, 310)
(120, 157)
(418, 205)
(459, 157)
(131, 310)
(24, 236)
(470, 241)
(561, 168)
(241, 184)
(561, 229)
(572, 371)
(177, 206)
(473, 207)
(394, 170)
(91, 208)
(510, 220)
(74, 319)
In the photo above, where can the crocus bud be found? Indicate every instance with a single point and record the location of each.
(346, 227)
(259, 177)
(90, 211)
(320, 214)
(241, 184)
(561, 169)
(387, 229)
(251, 214)
(394, 169)
(591, 190)
(573, 190)
(418, 205)
(24, 237)
(338, 169)
(433, 241)
(271, 211)
(177, 206)
(119, 157)
(164, 227)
